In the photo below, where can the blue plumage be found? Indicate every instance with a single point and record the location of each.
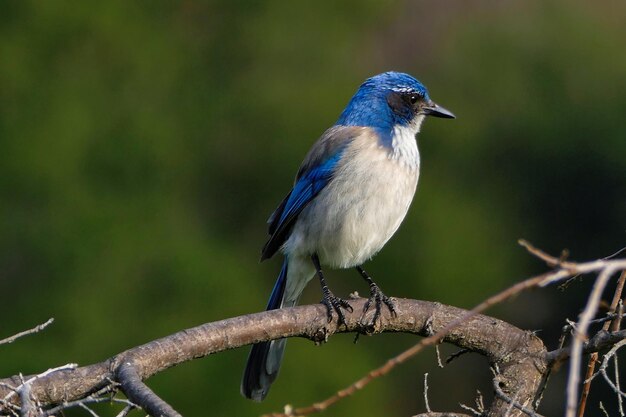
(276, 298)
(258, 373)
(306, 188)
(350, 195)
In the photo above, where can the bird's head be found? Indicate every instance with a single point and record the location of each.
(388, 100)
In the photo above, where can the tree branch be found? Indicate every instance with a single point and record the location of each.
(518, 358)
(519, 355)
(602, 340)
(140, 394)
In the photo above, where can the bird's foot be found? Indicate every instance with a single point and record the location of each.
(332, 302)
(378, 298)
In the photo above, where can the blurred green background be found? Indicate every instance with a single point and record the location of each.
(144, 144)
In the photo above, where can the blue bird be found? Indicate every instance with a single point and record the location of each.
(350, 195)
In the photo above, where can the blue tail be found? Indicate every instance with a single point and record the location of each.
(265, 357)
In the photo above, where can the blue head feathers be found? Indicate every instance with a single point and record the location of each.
(378, 102)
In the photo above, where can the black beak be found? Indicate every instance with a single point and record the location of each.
(436, 110)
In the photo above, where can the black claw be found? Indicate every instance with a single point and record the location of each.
(335, 303)
(330, 300)
(345, 304)
(378, 298)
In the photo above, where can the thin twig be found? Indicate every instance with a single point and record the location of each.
(428, 410)
(90, 400)
(126, 410)
(548, 259)
(610, 317)
(10, 407)
(613, 255)
(600, 341)
(439, 363)
(606, 413)
(568, 269)
(89, 410)
(620, 404)
(480, 405)
(555, 362)
(474, 412)
(96, 397)
(581, 333)
(513, 403)
(35, 329)
(593, 359)
(456, 355)
(605, 364)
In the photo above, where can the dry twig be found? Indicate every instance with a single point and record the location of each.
(593, 359)
(35, 329)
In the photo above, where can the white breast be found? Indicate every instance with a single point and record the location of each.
(361, 208)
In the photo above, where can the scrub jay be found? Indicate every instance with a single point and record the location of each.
(350, 195)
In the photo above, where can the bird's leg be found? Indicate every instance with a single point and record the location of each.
(330, 300)
(376, 296)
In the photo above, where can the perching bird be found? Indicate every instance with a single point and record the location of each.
(350, 195)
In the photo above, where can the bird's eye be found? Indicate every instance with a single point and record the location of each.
(413, 98)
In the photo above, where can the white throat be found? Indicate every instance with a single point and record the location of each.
(404, 143)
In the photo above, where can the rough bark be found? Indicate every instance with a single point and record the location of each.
(519, 356)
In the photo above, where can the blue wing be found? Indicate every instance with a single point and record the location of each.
(315, 173)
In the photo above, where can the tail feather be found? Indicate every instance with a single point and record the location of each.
(265, 357)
